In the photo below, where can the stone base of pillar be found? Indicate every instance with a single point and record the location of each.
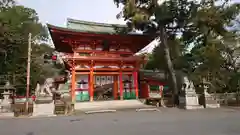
(43, 109)
(188, 98)
(213, 105)
(210, 102)
(73, 101)
(189, 102)
(91, 99)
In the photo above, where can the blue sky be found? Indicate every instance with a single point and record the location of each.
(57, 11)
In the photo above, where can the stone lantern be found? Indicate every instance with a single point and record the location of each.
(8, 90)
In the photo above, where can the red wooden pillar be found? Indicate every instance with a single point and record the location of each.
(73, 80)
(121, 85)
(135, 79)
(115, 88)
(144, 90)
(91, 87)
(73, 85)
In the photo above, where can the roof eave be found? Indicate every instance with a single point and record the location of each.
(50, 26)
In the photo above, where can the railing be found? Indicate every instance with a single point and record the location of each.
(20, 109)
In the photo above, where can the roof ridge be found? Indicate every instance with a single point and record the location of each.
(70, 20)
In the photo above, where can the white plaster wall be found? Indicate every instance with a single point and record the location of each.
(79, 78)
(102, 80)
(127, 86)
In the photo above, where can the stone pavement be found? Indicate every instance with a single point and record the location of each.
(170, 121)
(232, 107)
(6, 115)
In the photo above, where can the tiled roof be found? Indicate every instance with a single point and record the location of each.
(94, 26)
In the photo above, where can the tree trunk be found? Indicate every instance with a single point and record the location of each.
(163, 39)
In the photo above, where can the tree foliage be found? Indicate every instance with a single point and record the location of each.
(202, 36)
(16, 22)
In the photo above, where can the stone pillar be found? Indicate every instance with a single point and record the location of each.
(210, 101)
(115, 87)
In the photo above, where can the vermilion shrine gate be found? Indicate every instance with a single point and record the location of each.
(97, 55)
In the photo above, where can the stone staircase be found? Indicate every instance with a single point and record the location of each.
(115, 104)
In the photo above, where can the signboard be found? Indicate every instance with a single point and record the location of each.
(153, 88)
(154, 95)
(155, 91)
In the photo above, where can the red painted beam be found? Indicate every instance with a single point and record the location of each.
(106, 36)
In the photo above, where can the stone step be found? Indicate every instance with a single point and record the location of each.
(109, 105)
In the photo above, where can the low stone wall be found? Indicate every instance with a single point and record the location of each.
(224, 99)
(228, 99)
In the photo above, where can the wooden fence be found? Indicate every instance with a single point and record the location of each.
(19, 109)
